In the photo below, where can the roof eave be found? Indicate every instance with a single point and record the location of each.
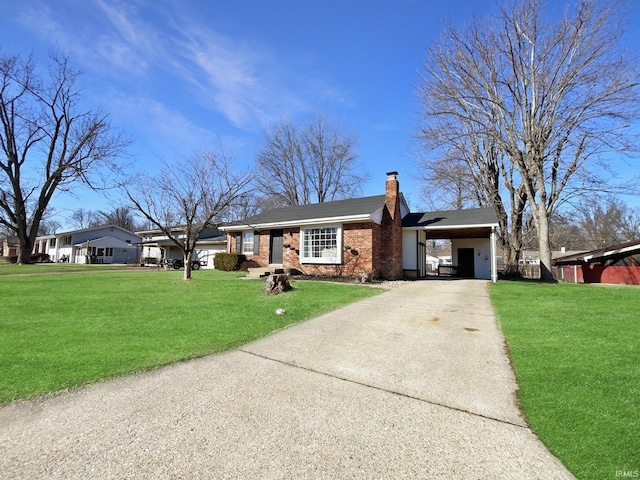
(300, 223)
(451, 227)
(609, 253)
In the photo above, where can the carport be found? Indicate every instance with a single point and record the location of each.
(473, 241)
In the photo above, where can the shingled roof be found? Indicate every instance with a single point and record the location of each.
(470, 223)
(612, 251)
(473, 217)
(353, 209)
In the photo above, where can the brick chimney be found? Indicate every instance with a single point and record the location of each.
(391, 231)
(392, 193)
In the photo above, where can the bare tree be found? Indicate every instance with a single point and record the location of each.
(49, 227)
(313, 163)
(448, 184)
(606, 221)
(120, 215)
(555, 97)
(247, 205)
(82, 218)
(189, 195)
(473, 173)
(47, 143)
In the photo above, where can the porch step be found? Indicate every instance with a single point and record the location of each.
(262, 272)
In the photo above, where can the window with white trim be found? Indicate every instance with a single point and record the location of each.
(247, 243)
(321, 244)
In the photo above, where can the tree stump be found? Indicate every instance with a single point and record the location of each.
(277, 284)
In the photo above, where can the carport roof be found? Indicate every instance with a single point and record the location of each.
(469, 223)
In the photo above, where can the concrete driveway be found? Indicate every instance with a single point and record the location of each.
(412, 383)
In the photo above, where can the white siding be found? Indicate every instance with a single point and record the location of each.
(409, 250)
(481, 254)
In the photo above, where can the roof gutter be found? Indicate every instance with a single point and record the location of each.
(608, 253)
(451, 227)
(311, 221)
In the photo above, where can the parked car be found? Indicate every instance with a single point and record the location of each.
(178, 263)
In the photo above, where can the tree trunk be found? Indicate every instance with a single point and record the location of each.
(187, 264)
(24, 251)
(544, 246)
(25, 245)
(510, 261)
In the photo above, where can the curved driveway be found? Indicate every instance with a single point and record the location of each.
(412, 383)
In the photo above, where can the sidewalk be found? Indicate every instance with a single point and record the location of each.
(412, 383)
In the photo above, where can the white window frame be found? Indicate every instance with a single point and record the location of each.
(305, 249)
(247, 246)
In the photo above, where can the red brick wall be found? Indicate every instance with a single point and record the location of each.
(262, 259)
(355, 261)
(362, 256)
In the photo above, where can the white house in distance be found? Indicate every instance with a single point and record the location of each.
(156, 246)
(107, 244)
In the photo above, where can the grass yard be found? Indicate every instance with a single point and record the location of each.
(40, 268)
(63, 331)
(576, 353)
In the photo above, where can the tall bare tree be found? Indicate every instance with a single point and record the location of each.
(473, 172)
(120, 215)
(83, 218)
(554, 96)
(190, 195)
(606, 220)
(311, 163)
(47, 143)
(448, 184)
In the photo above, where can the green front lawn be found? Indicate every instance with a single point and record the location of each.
(39, 268)
(576, 353)
(62, 331)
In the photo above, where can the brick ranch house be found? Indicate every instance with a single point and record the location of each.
(376, 235)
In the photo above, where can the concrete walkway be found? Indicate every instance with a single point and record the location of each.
(412, 383)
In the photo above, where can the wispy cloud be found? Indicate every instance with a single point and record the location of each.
(171, 133)
(137, 43)
(235, 81)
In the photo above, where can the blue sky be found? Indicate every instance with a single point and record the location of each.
(178, 76)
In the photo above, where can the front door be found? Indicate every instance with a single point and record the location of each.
(275, 247)
(466, 267)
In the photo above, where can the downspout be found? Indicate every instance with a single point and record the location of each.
(494, 260)
(418, 270)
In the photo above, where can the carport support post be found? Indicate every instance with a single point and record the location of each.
(494, 261)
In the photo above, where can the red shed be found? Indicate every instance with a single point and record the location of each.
(614, 264)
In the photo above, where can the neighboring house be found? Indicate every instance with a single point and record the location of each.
(614, 264)
(9, 247)
(376, 235)
(107, 244)
(156, 246)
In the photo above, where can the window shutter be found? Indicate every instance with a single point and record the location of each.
(239, 242)
(256, 243)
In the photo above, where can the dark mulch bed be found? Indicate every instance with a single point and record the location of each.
(327, 278)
